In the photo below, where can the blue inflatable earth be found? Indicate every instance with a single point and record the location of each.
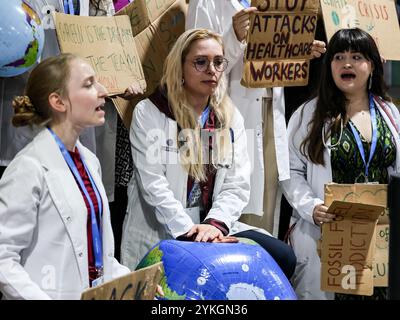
(21, 38)
(218, 271)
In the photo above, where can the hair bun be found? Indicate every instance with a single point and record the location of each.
(22, 104)
(24, 112)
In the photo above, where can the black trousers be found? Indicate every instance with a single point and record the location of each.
(117, 213)
(282, 253)
(2, 169)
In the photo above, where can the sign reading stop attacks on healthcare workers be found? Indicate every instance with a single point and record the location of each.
(377, 17)
(107, 44)
(279, 43)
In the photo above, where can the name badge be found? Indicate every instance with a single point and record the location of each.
(194, 214)
(98, 282)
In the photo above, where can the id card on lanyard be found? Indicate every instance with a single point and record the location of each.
(96, 229)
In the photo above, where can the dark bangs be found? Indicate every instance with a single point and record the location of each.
(352, 40)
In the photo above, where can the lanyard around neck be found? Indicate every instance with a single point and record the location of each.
(69, 7)
(96, 234)
(374, 138)
(204, 116)
(203, 119)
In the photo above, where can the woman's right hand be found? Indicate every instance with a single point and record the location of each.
(321, 215)
(241, 23)
(204, 233)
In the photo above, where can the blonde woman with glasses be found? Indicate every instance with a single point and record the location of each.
(191, 176)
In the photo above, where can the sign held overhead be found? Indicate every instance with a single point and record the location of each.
(107, 44)
(279, 43)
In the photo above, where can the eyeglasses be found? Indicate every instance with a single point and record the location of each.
(202, 64)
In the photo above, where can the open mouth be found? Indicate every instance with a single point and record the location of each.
(100, 107)
(348, 76)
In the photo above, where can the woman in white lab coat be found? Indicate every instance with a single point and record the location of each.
(177, 191)
(217, 15)
(325, 135)
(263, 109)
(55, 233)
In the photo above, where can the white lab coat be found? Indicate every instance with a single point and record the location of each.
(217, 15)
(157, 191)
(13, 139)
(305, 190)
(43, 219)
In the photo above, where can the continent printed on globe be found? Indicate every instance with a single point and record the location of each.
(22, 38)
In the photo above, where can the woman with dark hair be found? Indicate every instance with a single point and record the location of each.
(347, 134)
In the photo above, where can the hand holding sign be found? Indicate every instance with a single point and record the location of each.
(318, 48)
(241, 23)
(132, 91)
(321, 215)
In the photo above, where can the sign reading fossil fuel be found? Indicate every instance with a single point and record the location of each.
(279, 43)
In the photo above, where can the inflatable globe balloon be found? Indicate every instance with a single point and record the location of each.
(21, 38)
(218, 271)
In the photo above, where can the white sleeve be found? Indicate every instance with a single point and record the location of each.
(21, 188)
(203, 14)
(395, 113)
(145, 133)
(297, 190)
(235, 191)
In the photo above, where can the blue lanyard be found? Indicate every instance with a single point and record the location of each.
(203, 119)
(245, 3)
(374, 137)
(204, 116)
(96, 235)
(69, 7)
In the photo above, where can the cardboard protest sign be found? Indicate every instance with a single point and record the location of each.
(137, 285)
(279, 43)
(375, 194)
(367, 193)
(156, 24)
(381, 258)
(377, 17)
(347, 248)
(107, 44)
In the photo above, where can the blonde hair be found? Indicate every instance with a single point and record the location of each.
(50, 75)
(183, 112)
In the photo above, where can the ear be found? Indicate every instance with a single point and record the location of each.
(57, 103)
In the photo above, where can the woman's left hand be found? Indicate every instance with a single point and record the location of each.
(226, 239)
(318, 48)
